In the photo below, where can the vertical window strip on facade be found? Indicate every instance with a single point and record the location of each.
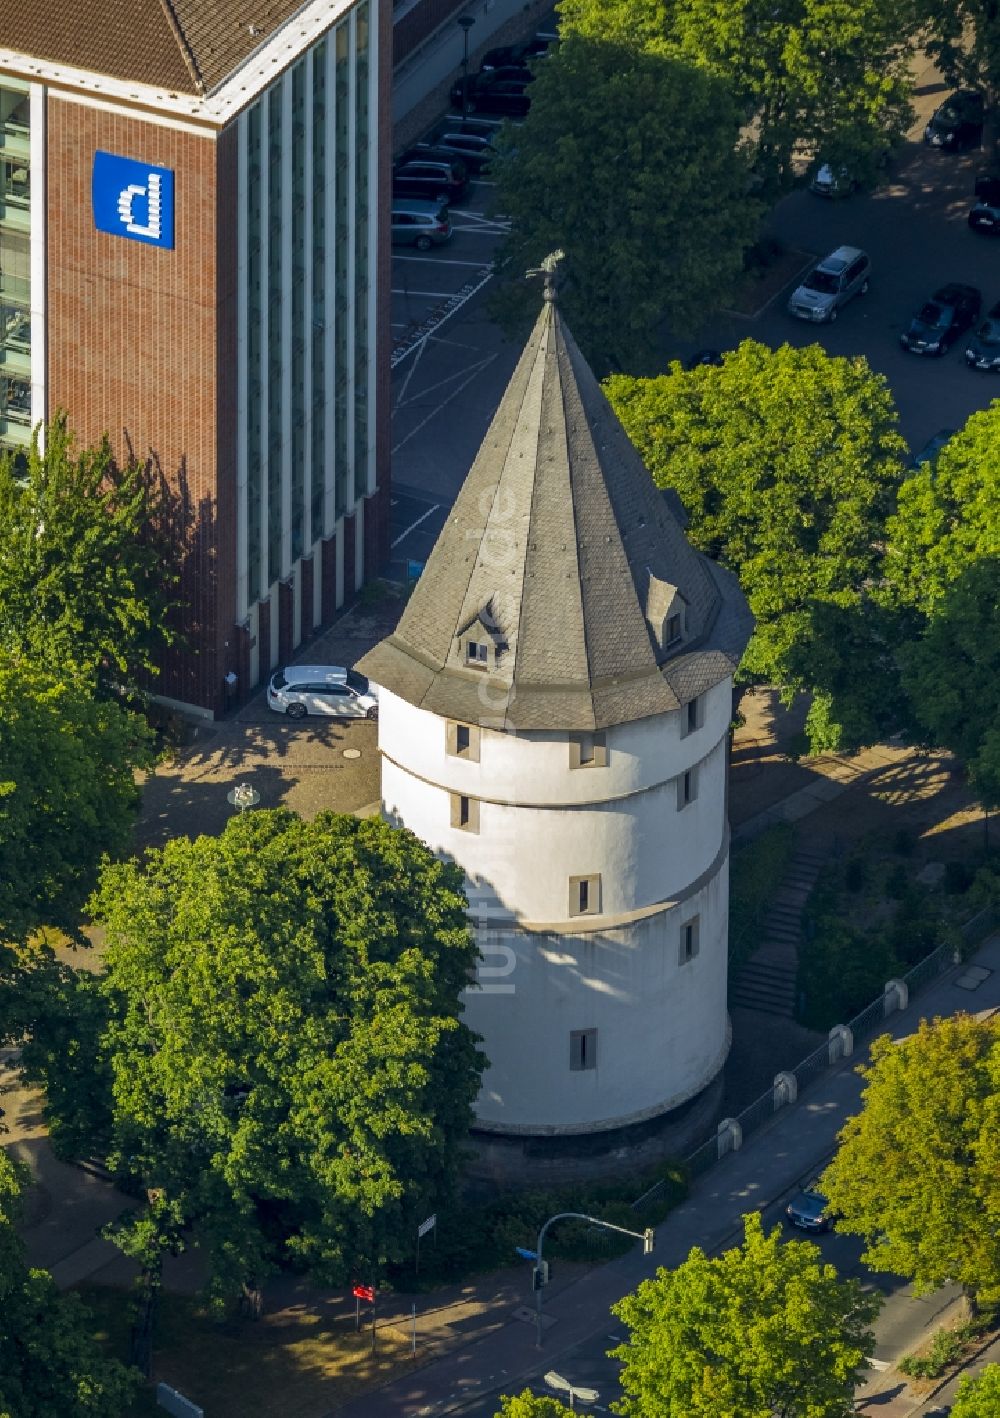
(343, 169)
(309, 288)
(362, 275)
(15, 265)
(297, 353)
(274, 355)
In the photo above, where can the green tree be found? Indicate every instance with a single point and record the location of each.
(963, 37)
(816, 73)
(526, 1405)
(67, 791)
(50, 1366)
(641, 185)
(788, 462)
(979, 1396)
(916, 1171)
(947, 516)
(283, 1049)
(765, 1330)
(85, 570)
(952, 675)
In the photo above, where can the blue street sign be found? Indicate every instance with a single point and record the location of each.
(526, 1255)
(133, 199)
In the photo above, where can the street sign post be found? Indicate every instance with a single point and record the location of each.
(366, 1293)
(585, 1395)
(429, 1225)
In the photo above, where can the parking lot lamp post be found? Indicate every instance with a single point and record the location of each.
(466, 21)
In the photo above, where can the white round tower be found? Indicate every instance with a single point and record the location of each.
(554, 712)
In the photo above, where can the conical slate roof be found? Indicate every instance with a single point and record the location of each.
(563, 558)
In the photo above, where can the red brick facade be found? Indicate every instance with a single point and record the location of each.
(138, 340)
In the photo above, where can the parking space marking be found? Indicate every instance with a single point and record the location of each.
(441, 261)
(473, 374)
(424, 294)
(413, 526)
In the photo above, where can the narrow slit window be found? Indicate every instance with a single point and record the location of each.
(464, 812)
(584, 895)
(687, 788)
(582, 1049)
(693, 715)
(674, 630)
(588, 750)
(689, 940)
(462, 740)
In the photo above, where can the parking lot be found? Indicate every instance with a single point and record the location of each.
(447, 384)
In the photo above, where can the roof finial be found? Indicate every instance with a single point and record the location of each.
(549, 270)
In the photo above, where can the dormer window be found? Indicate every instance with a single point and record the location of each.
(476, 653)
(665, 613)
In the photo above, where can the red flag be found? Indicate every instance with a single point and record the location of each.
(364, 1292)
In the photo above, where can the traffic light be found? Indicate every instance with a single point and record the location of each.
(540, 1275)
(648, 1241)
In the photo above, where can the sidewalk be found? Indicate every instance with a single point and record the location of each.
(771, 1163)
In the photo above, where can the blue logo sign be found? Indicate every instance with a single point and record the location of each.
(133, 199)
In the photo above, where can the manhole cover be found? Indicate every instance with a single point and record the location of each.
(352, 753)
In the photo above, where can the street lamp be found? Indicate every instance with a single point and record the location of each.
(243, 796)
(585, 1395)
(466, 21)
(540, 1274)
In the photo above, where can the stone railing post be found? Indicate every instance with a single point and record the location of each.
(841, 1042)
(729, 1135)
(896, 995)
(786, 1088)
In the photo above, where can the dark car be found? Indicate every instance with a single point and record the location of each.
(515, 55)
(938, 324)
(931, 449)
(475, 152)
(985, 217)
(958, 123)
(502, 91)
(809, 1210)
(703, 357)
(982, 350)
(429, 178)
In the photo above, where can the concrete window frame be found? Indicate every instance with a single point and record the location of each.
(687, 788)
(464, 812)
(462, 740)
(585, 895)
(582, 1050)
(690, 940)
(588, 750)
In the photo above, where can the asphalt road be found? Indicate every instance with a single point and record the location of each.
(903, 1319)
(453, 363)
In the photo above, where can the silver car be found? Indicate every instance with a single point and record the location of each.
(299, 690)
(831, 284)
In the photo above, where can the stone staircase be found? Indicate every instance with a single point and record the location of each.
(767, 980)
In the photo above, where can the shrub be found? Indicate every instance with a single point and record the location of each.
(957, 878)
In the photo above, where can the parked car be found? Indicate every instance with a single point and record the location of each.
(429, 178)
(299, 690)
(706, 356)
(809, 1210)
(515, 55)
(420, 224)
(982, 350)
(931, 449)
(938, 323)
(831, 284)
(832, 182)
(501, 91)
(985, 217)
(957, 123)
(475, 152)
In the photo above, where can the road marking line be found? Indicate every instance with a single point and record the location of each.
(441, 261)
(441, 383)
(442, 405)
(413, 526)
(429, 294)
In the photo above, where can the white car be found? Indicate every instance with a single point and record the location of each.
(298, 690)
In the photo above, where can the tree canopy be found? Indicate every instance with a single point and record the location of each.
(812, 73)
(281, 1050)
(766, 1330)
(951, 675)
(628, 162)
(917, 1172)
(527, 1405)
(947, 515)
(85, 574)
(67, 791)
(49, 1363)
(788, 462)
(979, 1396)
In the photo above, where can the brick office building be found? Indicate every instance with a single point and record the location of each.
(192, 260)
